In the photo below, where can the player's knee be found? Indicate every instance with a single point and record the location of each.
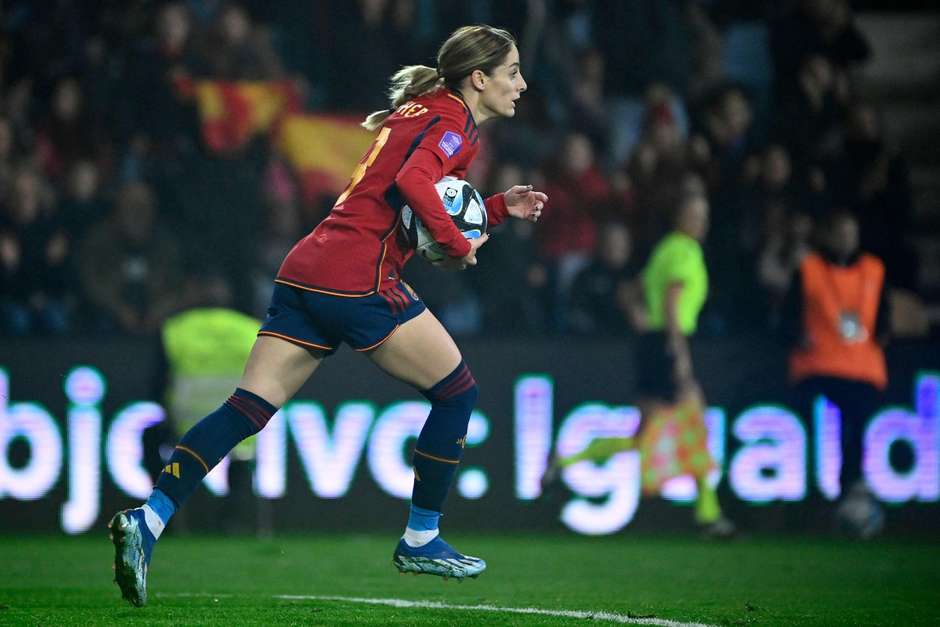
(452, 402)
(255, 411)
(456, 392)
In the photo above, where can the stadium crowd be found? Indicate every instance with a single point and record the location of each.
(114, 213)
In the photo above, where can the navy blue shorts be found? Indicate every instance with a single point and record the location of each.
(319, 321)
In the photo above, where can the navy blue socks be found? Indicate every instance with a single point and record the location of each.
(242, 415)
(441, 442)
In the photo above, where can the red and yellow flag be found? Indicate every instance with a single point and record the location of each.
(232, 113)
(323, 150)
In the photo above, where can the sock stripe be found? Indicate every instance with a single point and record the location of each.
(239, 405)
(194, 454)
(456, 381)
(244, 411)
(264, 412)
(462, 387)
(437, 459)
(460, 384)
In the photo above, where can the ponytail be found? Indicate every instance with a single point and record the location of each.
(407, 83)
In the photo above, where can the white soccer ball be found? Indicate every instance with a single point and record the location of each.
(465, 207)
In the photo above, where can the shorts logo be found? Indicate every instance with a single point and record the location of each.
(450, 143)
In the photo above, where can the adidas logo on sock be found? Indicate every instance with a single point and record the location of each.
(172, 469)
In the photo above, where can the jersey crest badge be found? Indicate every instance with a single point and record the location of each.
(450, 143)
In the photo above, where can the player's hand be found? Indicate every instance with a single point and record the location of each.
(525, 203)
(470, 259)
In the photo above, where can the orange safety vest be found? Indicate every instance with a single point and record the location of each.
(840, 306)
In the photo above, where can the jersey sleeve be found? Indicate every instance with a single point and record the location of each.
(442, 150)
(496, 210)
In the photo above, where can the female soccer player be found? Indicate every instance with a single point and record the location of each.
(342, 283)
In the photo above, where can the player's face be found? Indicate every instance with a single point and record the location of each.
(503, 87)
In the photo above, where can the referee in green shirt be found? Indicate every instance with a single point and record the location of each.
(675, 285)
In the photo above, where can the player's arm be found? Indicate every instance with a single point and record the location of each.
(440, 152)
(496, 210)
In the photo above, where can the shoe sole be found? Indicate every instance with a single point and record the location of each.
(439, 567)
(128, 560)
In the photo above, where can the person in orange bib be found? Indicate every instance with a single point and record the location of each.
(837, 322)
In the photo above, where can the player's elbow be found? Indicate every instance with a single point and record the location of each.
(410, 177)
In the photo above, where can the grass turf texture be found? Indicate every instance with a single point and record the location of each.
(214, 580)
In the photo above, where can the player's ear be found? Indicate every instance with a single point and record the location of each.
(478, 79)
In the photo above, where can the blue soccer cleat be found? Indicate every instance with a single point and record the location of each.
(133, 545)
(436, 558)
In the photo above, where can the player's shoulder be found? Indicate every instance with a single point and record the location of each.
(452, 110)
(443, 102)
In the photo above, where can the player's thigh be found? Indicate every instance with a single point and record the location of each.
(421, 352)
(277, 368)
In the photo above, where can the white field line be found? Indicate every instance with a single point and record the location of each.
(612, 617)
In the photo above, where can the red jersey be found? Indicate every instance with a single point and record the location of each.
(359, 248)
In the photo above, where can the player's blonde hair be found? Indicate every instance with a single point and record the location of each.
(467, 49)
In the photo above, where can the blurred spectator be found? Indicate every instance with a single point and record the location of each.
(509, 278)
(837, 321)
(600, 296)
(68, 132)
(81, 205)
(660, 160)
(809, 115)
(656, 31)
(566, 238)
(769, 193)
(130, 268)
(728, 128)
(787, 241)
(169, 54)
(728, 122)
(374, 37)
(588, 111)
(706, 43)
(237, 49)
(34, 256)
(874, 182)
(816, 28)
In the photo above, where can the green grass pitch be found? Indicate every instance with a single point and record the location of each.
(206, 580)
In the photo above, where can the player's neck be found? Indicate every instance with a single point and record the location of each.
(473, 101)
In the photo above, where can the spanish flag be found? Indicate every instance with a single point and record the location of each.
(323, 151)
(232, 113)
